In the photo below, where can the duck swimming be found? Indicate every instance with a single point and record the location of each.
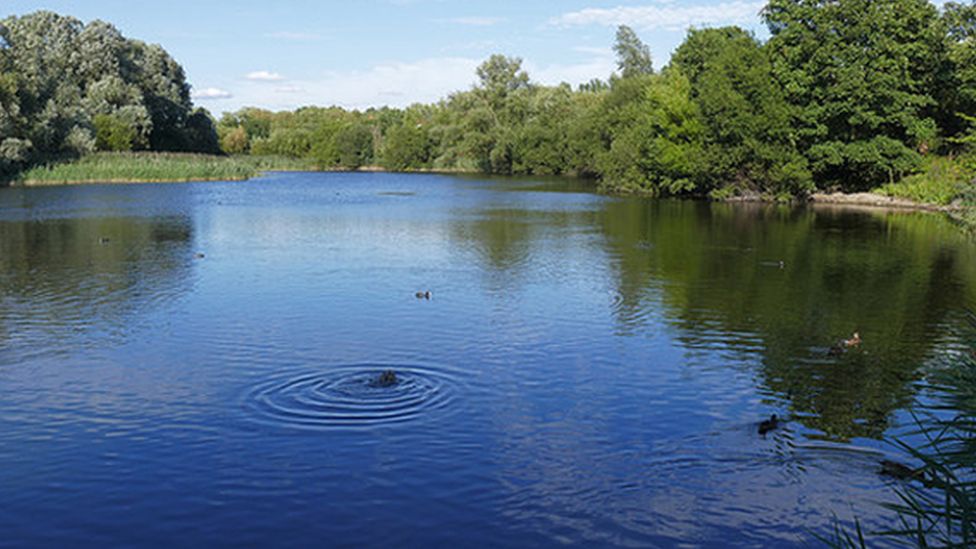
(769, 425)
(854, 341)
(847, 344)
(423, 295)
(900, 471)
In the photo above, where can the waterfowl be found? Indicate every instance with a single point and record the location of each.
(200, 255)
(769, 425)
(854, 341)
(103, 240)
(386, 379)
(423, 295)
(900, 471)
(846, 344)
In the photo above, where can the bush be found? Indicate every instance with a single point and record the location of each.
(113, 134)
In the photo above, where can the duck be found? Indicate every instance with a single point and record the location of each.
(900, 471)
(846, 344)
(768, 425)
(104, 240)
(854, 341)
(423, 295)
(200, 255)
(387, 379)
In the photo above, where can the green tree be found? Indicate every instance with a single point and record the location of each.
(501, 75)
(201, 132)
(749, 141)
(633, 56)
(113, 133)
(659, 150)
(355, 146)
(235, 141)
(860, 74)
(409, 145)
(957, 90)
(57, 75)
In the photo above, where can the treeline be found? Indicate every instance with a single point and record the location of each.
(846, 94)
(68, 89)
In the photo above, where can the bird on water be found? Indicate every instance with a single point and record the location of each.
(769, 425)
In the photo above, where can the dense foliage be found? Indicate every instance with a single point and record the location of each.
(68, 89)
(846, 94)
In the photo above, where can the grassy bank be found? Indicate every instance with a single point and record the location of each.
(147, 167)
(943, 181)
(140, 168)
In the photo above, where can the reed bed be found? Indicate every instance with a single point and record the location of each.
(140, 168)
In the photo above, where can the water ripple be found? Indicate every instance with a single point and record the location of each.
(349, 397)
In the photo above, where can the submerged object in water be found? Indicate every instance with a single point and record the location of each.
(769, 425)
(387, 379)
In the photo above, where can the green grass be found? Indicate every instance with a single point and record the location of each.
(943, 181)
(147, 167)
(138, 168)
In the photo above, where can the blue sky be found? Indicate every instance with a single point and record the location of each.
(288, 53)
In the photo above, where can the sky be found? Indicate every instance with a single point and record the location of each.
(360, 53)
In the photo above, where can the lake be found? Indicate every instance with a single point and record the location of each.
(189, 365)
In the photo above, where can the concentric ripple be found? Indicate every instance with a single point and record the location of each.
(350, 397)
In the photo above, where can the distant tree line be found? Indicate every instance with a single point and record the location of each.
(68, 89)
(846, 94)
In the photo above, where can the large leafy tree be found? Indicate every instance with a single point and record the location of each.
(860, 74)
(62, 82)
(958, 90)
(656, 136)
(749, 140)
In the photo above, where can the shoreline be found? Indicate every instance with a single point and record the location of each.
(871, 200)
(261, 172)
(861, 201)
(127, 181)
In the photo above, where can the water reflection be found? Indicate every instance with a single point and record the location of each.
(590, 370)
(62, 279)
(787, 284)
(776, 286)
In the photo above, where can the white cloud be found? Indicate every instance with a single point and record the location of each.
(576, 73)
(212, 93)
(477, 21)
(401, 84)
(601, 52)
(668, 16)
(264, 76)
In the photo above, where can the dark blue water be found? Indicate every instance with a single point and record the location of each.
(589, 371)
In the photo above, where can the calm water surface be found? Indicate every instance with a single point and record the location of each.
(590, 370)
